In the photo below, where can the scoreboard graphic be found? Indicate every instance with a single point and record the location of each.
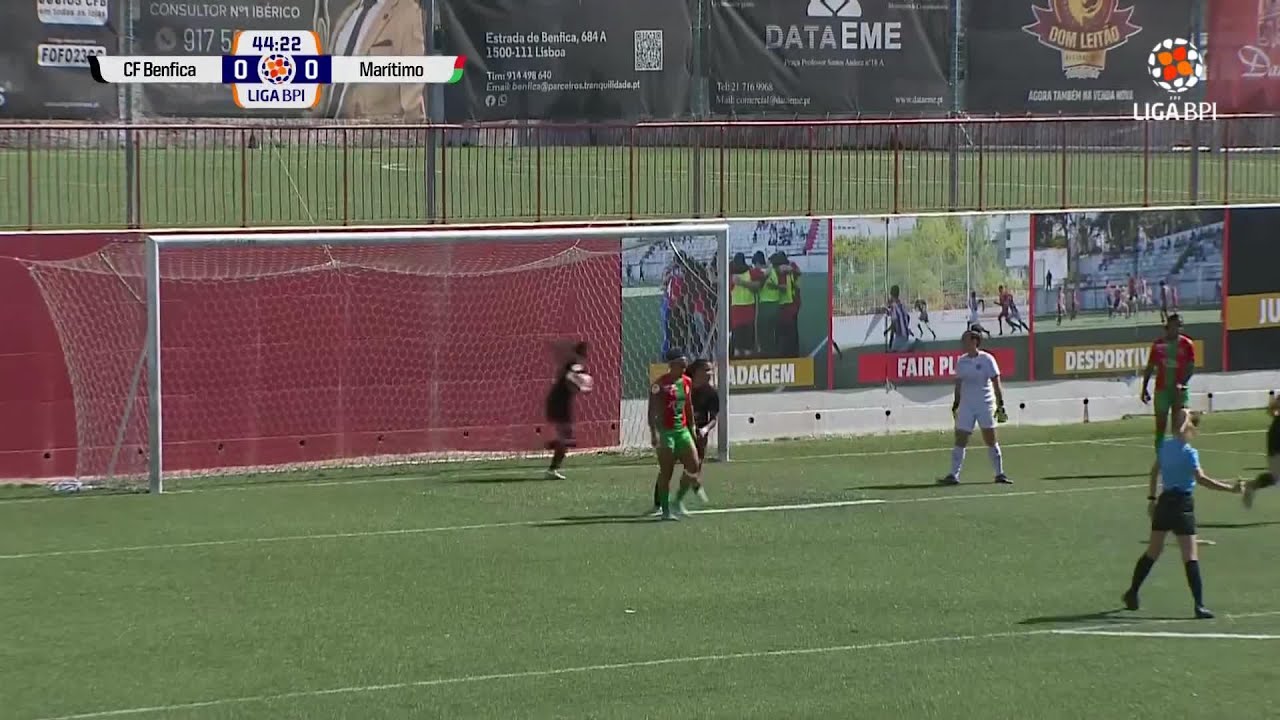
(270, 70)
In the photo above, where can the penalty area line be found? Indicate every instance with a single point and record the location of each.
(599, 668)
(1165, 634)
(554, 672)
(401, 532)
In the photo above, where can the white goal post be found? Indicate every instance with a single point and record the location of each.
(301, 350)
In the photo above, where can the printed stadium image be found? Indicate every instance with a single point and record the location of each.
(768, 359)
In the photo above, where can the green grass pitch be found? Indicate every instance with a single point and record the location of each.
(312, 185)
(830, 579)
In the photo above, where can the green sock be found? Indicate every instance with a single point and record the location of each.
(1159, 440)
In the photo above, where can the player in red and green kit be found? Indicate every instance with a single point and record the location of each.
(671, 424)
(1174, 358)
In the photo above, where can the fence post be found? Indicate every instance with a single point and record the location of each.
(1193, 172)
(433, 95)
(132, 201)
(1146, 164)
(1064, 164)
(1226, 163)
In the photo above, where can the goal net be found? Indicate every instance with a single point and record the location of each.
(242, 353)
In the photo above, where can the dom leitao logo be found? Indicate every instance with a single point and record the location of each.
(1176, 66)
(835, 25)
(1084, 31)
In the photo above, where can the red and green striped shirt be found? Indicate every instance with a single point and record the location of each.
(1174, 363)
(677, 406)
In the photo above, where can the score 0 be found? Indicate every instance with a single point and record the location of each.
(276, 70)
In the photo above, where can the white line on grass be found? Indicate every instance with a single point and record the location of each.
(582, 669)
(539, 523)
(523, 472)
(1186, 635)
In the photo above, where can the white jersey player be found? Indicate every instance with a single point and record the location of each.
(976, 306)
(979, 400)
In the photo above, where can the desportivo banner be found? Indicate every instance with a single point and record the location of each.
(44, 59)
(345, 27)
(829, 57)
(1104, 282)
(1067, 56)
(569, 60)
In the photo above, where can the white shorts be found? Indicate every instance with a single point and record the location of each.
(970, 414)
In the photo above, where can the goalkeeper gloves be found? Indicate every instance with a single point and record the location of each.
(954, 409)
(1001, 415)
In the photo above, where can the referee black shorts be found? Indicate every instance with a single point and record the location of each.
(1176, 513)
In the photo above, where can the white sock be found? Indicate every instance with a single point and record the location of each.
(957, 461)
(997, 458)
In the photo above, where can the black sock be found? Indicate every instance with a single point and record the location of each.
(1264, 480)
(557, 459)
(1193, 581)
(1140, 572)
(659, 497)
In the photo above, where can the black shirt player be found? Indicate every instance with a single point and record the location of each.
(1268, 478)
(706, 412)
(571, 379)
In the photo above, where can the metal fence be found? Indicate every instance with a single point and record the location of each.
(119, 176)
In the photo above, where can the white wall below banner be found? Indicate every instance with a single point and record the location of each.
(776, 416)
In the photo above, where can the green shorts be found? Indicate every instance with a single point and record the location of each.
(677, 441)
(1167, 398)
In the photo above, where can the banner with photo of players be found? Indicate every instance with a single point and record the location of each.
(778, 312)
(1106, 281)
(904, 289)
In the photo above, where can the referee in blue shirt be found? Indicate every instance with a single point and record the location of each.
(1178, 470)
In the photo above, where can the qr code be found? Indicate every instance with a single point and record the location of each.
(648, 50)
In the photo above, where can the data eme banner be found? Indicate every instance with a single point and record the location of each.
(825, 57)
(45, 48)
(1068, 56)
(569, 60)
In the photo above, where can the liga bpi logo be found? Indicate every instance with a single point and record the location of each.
(276, 69)
(1176, 66)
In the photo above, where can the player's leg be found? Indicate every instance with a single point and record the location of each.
(662, 487)
(987, 424)
(1184, 517)
(1264, 480)
(1163, 404)
(1155, 545)
(965, 420)
(560, 448)
(701, 441)
(686, 452)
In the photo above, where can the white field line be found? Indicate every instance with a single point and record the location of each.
(1185, 635)
(582, 669)
(399, 532)
(782, 456)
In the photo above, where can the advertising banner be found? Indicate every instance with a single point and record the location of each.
(1106, 281)
(1252, 311)
(1244, 67)
(904, 289)
(779, 300)
(1068, 56)
(829, 57)
(45, 47)
(345, 27)
(569, 60)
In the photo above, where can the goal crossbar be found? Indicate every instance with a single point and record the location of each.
(156, 245)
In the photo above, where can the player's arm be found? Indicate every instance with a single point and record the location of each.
(998, 387)
(713, 414)
(955, 398)
(1147, 373)
(1207, 482)
(655, 411)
